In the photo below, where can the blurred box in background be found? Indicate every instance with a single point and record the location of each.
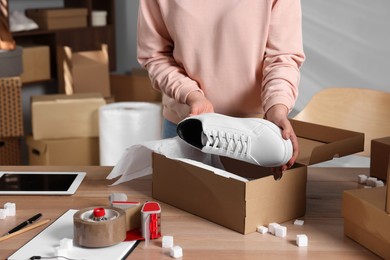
(67, 151)
(58, 18)
(65, 116)
(83, 72)
(135, 86)
(36, 63)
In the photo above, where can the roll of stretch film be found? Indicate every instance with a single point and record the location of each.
(99, 227)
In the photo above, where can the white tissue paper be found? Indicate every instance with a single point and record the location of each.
(123, 124)
(136, 161)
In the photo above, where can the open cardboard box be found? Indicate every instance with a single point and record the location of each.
(242, 206)
(366, 215)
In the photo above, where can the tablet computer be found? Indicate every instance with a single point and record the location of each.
(40, 183)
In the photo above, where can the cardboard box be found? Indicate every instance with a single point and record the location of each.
(10, 150)
(242, 206)
(11, 114)
(83, 72)
(70, 151)
(58, 18)
(380, 151)
(36, 63)
(65, 116)
(133, 87)
(366, 215)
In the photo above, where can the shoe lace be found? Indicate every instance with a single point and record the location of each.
(228, 143)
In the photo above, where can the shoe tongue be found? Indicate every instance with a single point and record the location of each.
(203, 139)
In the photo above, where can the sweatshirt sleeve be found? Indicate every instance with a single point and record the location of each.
(283, 55)
(155, 53)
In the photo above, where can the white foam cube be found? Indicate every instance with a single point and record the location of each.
(371, 181)
(262, 229)
(66, 243)
(281, 231)
(271, 227)
(167, 241)
(299, 222)
(362, 178)
(3, 213)
(379, 184)
(58, 251)
(10, 208)
(176, 251)
(302, 240)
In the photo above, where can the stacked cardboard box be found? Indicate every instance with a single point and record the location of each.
(58, 18)
(65, 129)
(36, 63)
(11, 121)
(366, 212)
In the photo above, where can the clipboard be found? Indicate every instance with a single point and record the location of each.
(44, 244)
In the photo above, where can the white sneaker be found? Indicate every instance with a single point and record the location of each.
(252, 140)
(20, 22)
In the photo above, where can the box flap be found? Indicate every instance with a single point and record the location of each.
(318, 143)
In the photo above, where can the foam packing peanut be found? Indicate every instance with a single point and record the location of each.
(262, 229)
(271, 227)
(10, 209)
(302, 240)
(281, 231)
(3, 214)
(176, 252)
(362, 178)
(167, 241)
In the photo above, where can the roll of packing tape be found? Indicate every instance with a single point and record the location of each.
(93, 230)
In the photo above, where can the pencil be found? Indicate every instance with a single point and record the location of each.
(38, 224)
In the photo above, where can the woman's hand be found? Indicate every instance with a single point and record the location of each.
(277, 114)
(199, 104)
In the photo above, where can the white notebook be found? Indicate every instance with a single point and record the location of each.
(44, 244)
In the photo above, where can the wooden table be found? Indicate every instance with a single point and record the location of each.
(199, 238)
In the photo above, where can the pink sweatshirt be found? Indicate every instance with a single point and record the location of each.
(244, 55)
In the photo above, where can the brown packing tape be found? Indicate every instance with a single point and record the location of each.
(89, 233)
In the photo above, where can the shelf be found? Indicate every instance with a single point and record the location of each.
(79, 39)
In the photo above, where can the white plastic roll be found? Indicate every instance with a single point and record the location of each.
(124, 124)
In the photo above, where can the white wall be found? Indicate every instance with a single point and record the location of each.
(347, 44)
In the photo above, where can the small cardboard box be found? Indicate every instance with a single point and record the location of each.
(69, 151)
(11, 114)
(58, 18)
(10, 150)
(242, 206)
(36, 63)
(133, 87)
(366, 215)
(83, 72)
(380, 150)
(65, 116)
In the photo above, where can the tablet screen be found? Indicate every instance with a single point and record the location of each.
(40, 182)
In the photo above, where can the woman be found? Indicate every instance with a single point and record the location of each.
(235, 57)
